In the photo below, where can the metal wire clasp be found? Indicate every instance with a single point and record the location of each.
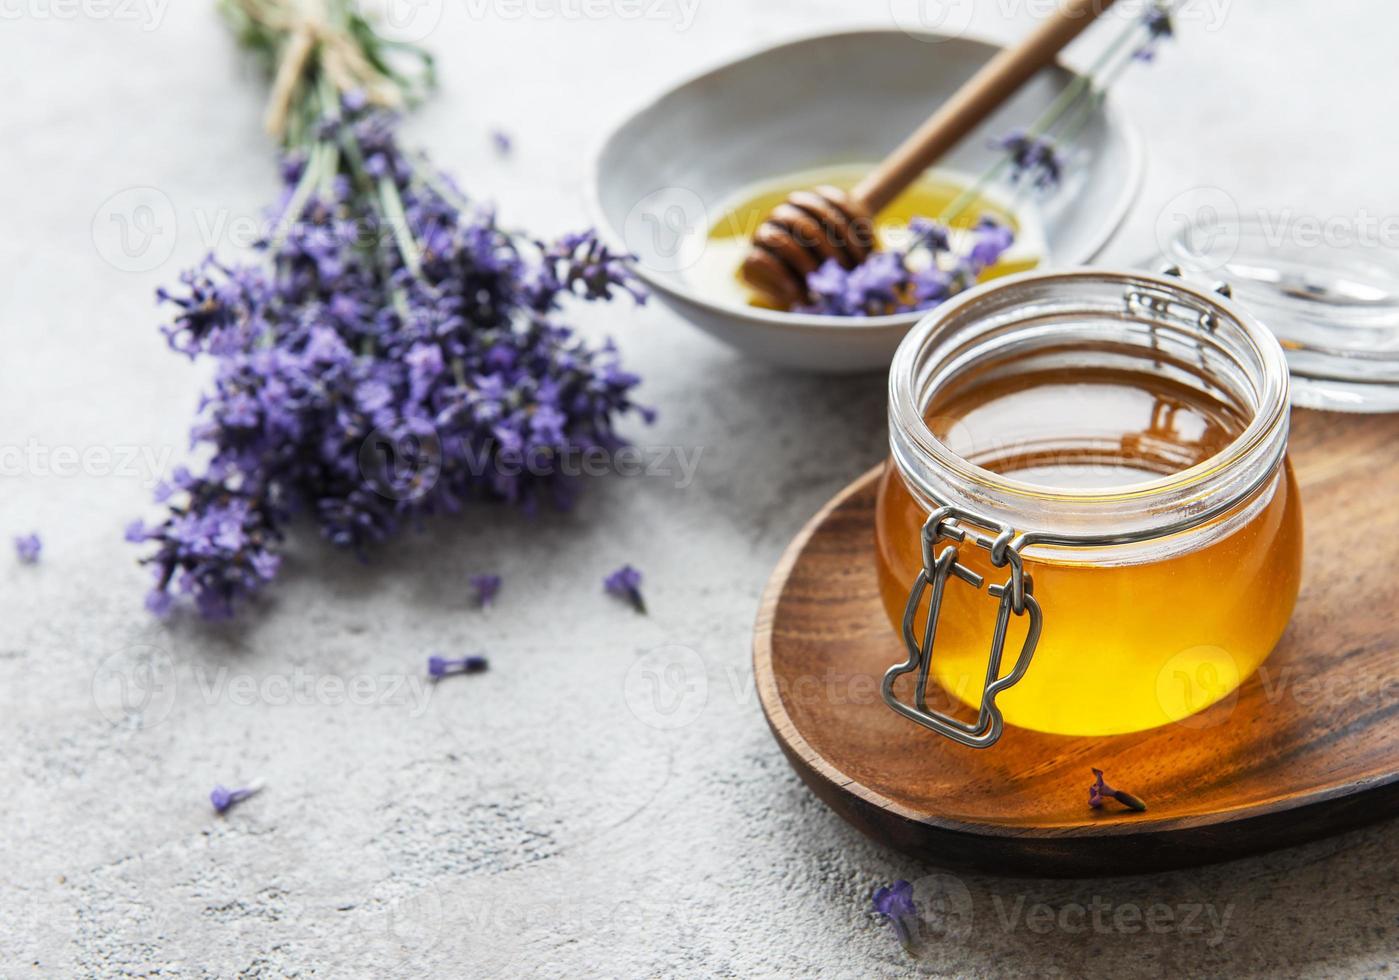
(1016, 597)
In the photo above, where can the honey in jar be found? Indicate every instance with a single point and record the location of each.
(1125, 437)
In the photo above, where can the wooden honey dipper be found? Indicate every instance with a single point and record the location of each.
(829, 223)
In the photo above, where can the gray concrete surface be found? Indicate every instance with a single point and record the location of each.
(541, 819)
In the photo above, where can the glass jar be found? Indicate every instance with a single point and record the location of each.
(1088, 524)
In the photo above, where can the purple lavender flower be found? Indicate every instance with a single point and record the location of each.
(991, 239)
(828, 287)
(894, 904)
(1033, 159)
(214, 548)
(1159, 28)
(379, 369)
(875, 286)
(580, 264)
(27, 547)
(929, 234)
(218, 309)
(439, 666)
(927, 272)
(222, 798)
(625, 583)
(1101, 791)
(931, 285)
(486, 587)
(502, 142)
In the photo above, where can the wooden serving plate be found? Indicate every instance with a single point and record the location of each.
(1309, 745)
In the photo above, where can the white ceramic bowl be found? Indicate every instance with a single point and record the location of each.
(660, 178)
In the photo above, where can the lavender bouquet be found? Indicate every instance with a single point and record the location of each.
(937, 263)
(396, 352)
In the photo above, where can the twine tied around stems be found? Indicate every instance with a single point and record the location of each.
(315, 32)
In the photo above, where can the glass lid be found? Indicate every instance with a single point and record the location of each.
(1332, 304)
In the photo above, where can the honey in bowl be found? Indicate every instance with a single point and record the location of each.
(716, 271)
(1130, 641)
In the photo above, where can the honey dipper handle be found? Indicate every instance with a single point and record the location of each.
(998, 79)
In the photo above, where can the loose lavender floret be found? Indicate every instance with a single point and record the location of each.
(223, 798)
(919, 277)
(27, 547)
(1159, 28)
(1033, 159)
(625, 583)
(439, 666)
(894, 903)
(1101, 791)
(486, 587)
(391, 362)
(502, 142)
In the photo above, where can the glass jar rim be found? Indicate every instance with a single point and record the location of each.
(986, 319)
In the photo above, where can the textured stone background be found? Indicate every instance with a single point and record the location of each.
(534, 819)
